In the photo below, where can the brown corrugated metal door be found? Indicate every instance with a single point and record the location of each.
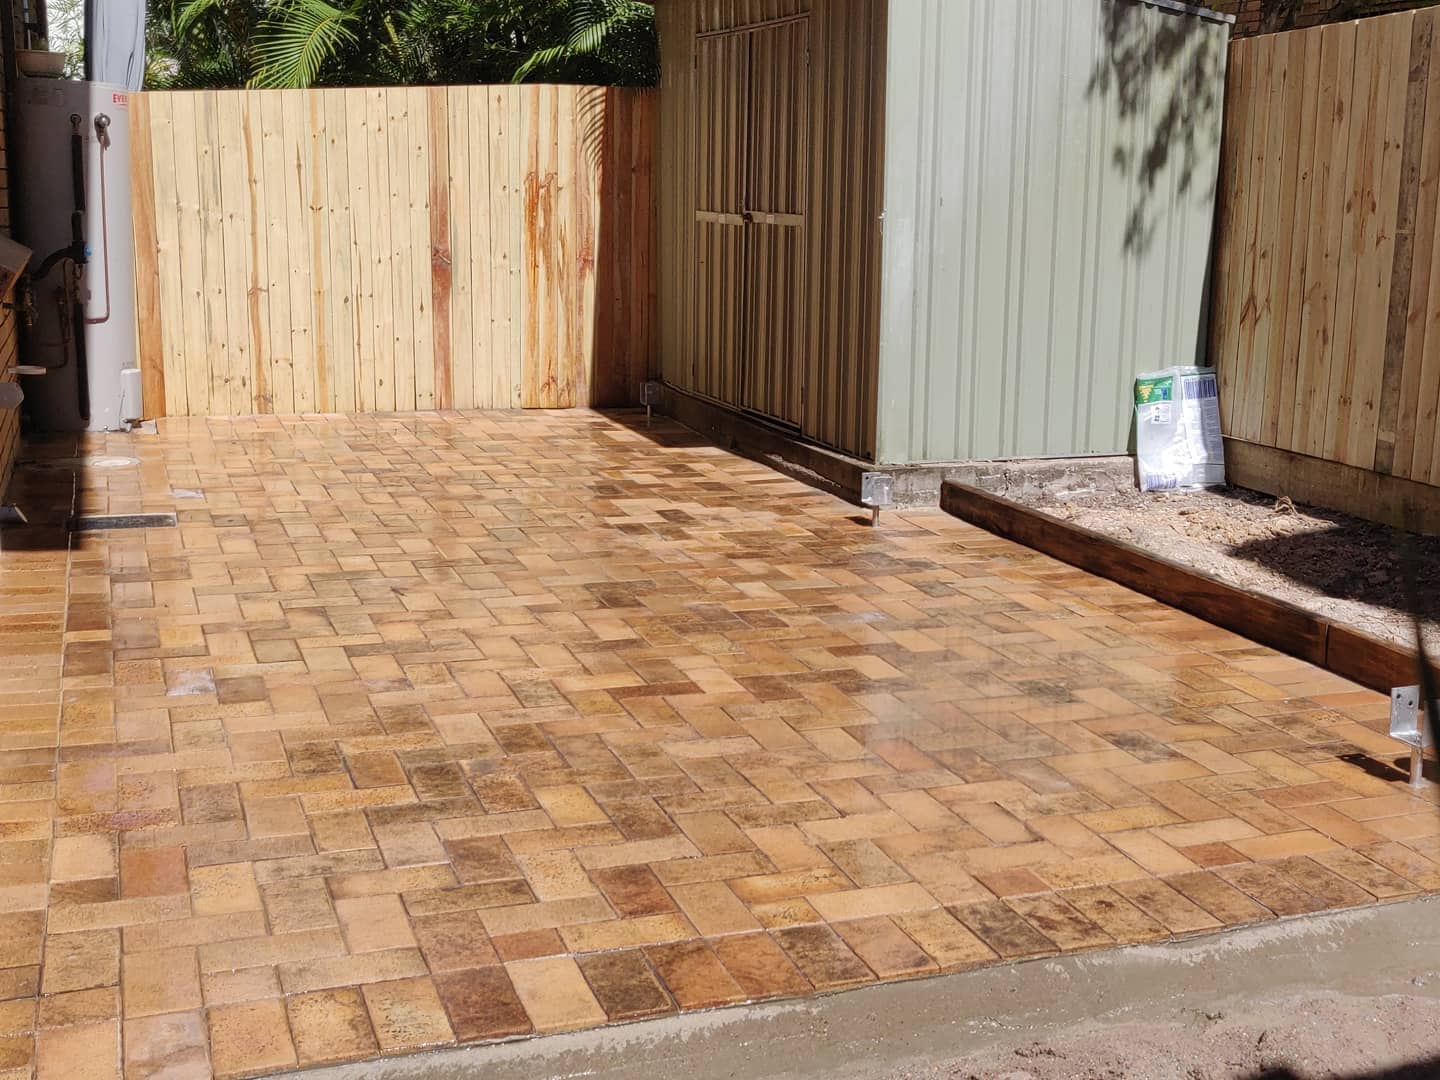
(774, 212)
(831, 294)
(722, 84)
(751, 88)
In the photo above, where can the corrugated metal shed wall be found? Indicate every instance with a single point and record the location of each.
(819, 284)
(1050, 182)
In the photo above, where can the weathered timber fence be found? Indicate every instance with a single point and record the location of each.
(394, 249)
(1326, 324)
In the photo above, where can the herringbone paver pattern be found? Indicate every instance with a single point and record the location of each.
(454, 727)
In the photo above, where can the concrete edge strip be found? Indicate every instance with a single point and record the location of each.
(1365, 952)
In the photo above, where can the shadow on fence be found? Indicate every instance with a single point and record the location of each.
(1148, 52)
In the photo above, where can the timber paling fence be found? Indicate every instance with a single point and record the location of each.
(1326, 323)
(392, 249)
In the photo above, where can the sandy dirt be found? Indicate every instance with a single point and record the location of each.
(1303, 1038)
(1338, 566)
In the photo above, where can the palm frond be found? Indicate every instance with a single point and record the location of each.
(294, 42)
(541, 60)
(191, 11)
(592, 23)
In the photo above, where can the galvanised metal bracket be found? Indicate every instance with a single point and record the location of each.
(650, 392)
(1407, 725)
(877, 491)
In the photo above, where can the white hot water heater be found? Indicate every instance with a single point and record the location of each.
(70, 166)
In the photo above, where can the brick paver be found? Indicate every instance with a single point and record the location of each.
(461, 727)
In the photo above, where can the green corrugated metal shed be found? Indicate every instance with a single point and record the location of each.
(1021, 190)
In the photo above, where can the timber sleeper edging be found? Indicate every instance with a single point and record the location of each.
(1288, 628)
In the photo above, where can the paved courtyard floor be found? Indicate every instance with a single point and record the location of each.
(456, 727)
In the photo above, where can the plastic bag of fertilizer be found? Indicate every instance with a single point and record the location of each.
(1177, 429)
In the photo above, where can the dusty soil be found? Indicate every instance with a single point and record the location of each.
(1338, 566)
(1298, 1038)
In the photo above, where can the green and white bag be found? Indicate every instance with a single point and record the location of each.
(1177, 429)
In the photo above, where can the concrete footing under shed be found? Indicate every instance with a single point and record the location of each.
(915, 485)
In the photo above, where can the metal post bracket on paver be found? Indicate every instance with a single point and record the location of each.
(877, 491)
(1407, 725)
(650, 392)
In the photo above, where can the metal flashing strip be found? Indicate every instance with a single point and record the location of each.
(104, 522)
(1190, 9)
(752, 27)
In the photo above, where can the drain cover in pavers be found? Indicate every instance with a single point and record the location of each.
(104, 522)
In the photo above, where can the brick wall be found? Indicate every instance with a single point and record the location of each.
(1267, 16)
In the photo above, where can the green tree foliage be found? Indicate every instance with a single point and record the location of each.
(66, 22)
(296, 43)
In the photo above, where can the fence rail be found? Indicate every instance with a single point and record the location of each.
(394, 249)
(1327, 307)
